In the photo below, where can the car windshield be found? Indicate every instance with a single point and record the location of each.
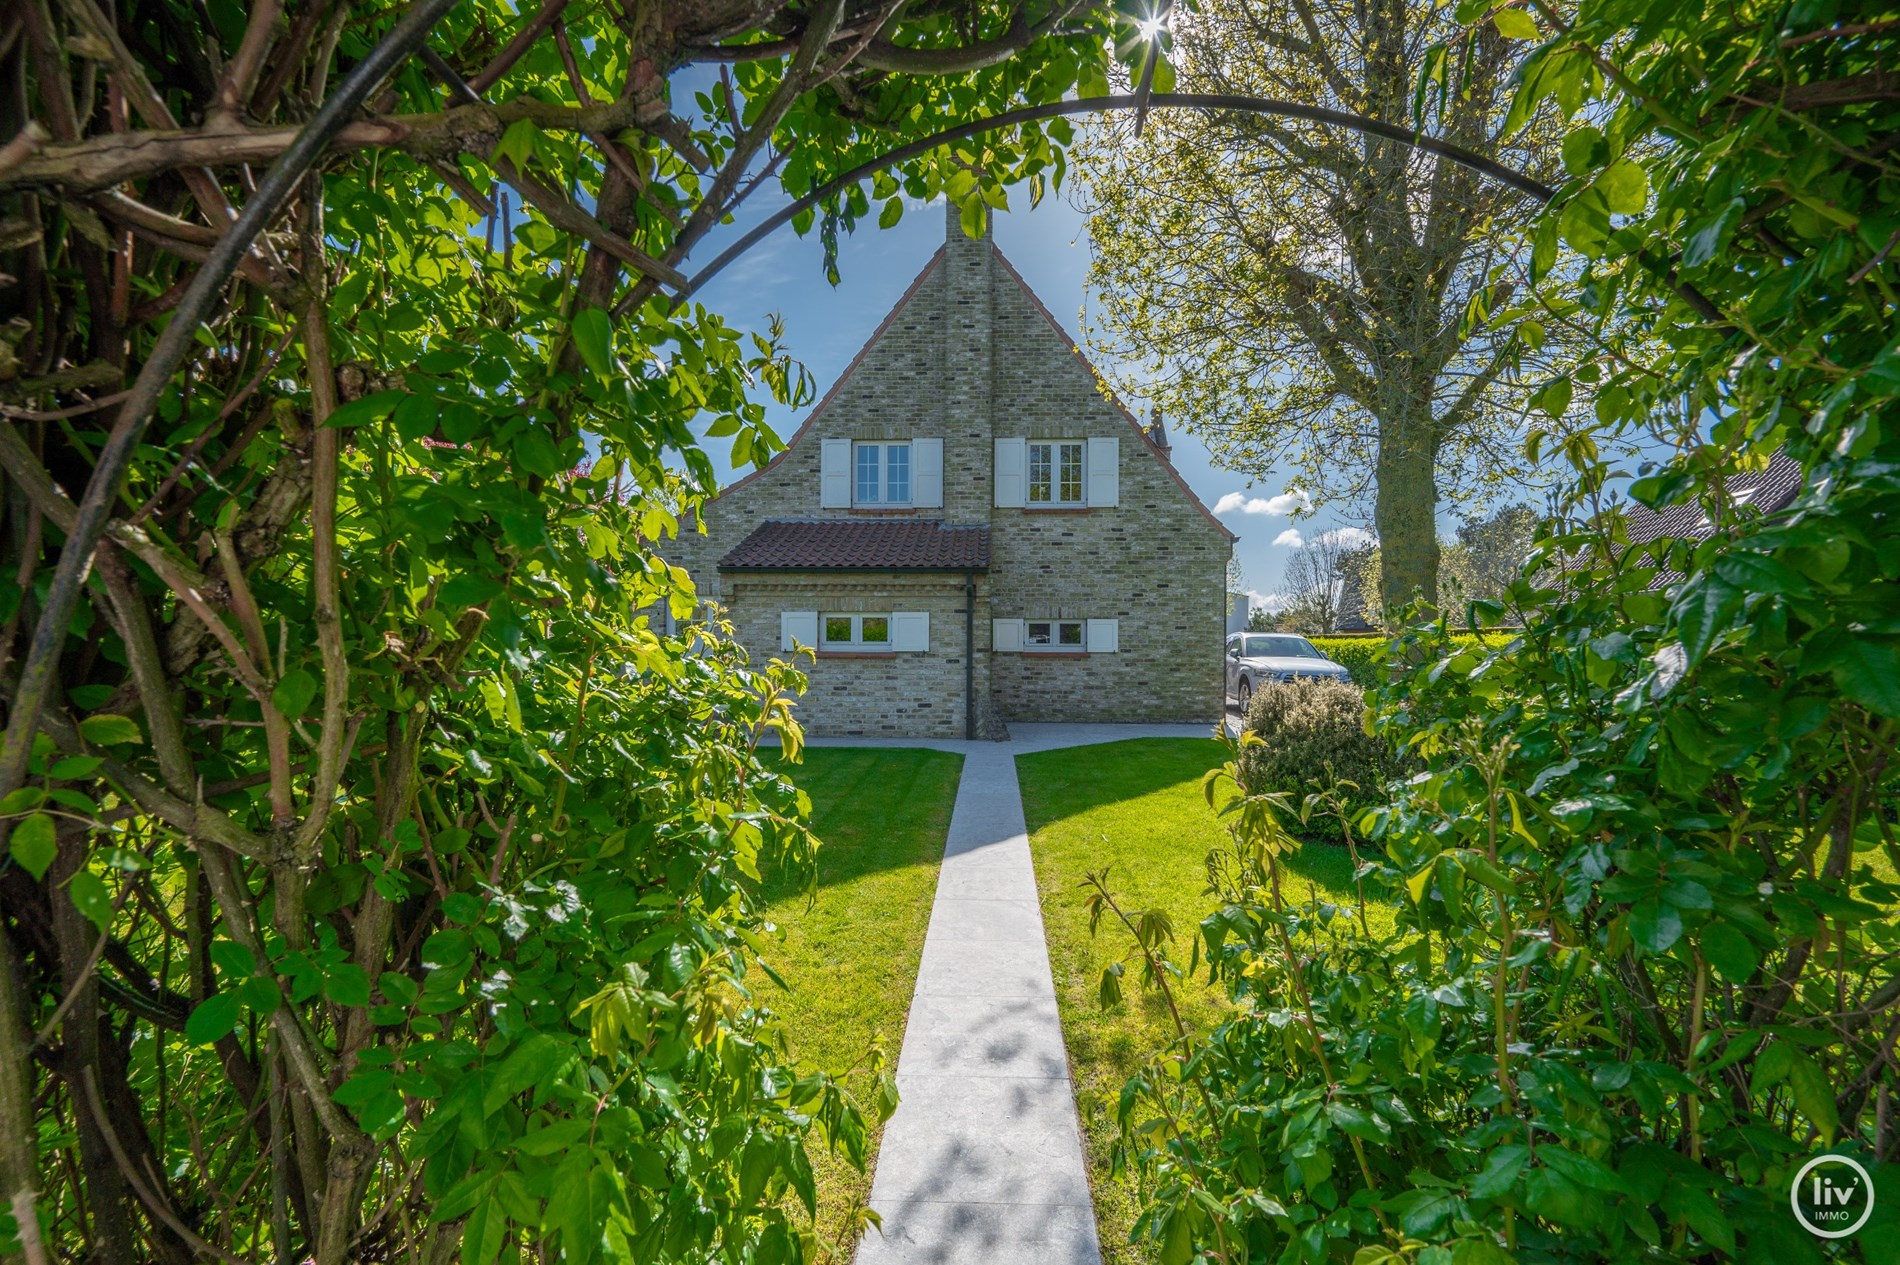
(1281, 647)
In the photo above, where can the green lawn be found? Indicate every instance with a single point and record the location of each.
(851, 949)
(1137, 808)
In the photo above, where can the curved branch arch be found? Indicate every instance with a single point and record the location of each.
(1508, 176)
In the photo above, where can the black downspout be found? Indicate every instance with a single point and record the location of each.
(969, 656)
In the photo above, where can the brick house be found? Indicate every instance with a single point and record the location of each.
(967, 532)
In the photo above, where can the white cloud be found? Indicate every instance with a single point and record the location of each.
(1350, 537)
(1286, 503)
(1272, 603)
(1291, 538)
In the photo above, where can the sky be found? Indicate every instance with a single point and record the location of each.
(826, 326)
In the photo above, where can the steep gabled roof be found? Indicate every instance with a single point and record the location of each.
(839, 544)
(864, 351)
(1114, 401)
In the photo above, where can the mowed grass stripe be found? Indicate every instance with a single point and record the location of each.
(1135, 807)
(851, 947)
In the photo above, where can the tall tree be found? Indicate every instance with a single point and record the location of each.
(374, 880)
(1314, 583)
(1298, 294)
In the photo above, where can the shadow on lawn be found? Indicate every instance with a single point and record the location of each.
(873, 809)
(1070, 782)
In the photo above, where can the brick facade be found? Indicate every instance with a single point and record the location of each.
(970, 356)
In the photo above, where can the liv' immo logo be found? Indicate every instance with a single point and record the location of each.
(1832, 1196)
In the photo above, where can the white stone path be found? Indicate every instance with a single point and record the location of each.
(983, 1162)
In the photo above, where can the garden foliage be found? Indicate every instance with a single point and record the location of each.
(1313, 739)
(1646, 956)
(377, 880)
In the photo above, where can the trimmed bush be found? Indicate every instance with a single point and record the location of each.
(1314, 733)
(1364, 656)
(1360, 656)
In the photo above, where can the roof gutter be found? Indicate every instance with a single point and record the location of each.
(952, 570)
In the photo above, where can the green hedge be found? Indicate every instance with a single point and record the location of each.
(1362, 655)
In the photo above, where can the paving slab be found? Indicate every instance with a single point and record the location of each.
(983, 1162)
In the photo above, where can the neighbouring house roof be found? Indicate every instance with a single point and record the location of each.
(1766, 491)
(844, 545)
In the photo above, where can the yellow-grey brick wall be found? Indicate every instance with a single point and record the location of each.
(970, 356)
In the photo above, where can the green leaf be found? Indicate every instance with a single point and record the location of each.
(216, 1016)
(347, 985)
(1625, 187)
(1708, 237)
(295, 691)
(108, 730)
(1729, 951)
(1359, 1123)
(1654, 925)
(594, 337)
(89, 896)
(1479, 1252)
(972, 216)
(893, 211)
(416, 416)
(532, 1063)
(1866, 668)
(468, 589)
(1515, 24)
(571, 1207)
(517, 143)
(1814, 1094)
(1704, 611)
(371, 408)
(483, 1233)
(1501, 1169)
(35, 844)
(537, 453)
(1584, 151)
(1554, 397)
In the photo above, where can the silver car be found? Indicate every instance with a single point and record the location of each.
(1256, 659)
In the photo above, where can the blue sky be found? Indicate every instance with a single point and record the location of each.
(825, 327)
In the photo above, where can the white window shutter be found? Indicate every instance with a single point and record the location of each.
(1105, 471)
(1104, 635)
(1006, 635)
(834, 474)
(910, 630)
(1012, 470)
(797, 628)
(926, 473)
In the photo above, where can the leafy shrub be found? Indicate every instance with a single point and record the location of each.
(1313, 738)
(1646, 964)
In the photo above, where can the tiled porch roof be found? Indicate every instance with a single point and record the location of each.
(837, 544)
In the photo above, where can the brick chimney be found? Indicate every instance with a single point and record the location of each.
(1158, 435)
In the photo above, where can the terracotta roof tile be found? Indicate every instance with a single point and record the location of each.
(837, 544)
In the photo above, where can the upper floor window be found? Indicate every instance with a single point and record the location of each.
(881, 474)
(1055, 472)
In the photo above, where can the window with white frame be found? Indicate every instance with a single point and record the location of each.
(1055, 472)
(880, 474)
(1055, 634)
(855, 632)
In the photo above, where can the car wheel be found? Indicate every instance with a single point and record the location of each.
(1244, 695)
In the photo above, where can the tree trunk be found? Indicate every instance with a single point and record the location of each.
(1406, 514)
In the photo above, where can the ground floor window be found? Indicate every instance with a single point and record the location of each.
(862, 632)
(1054, 634)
